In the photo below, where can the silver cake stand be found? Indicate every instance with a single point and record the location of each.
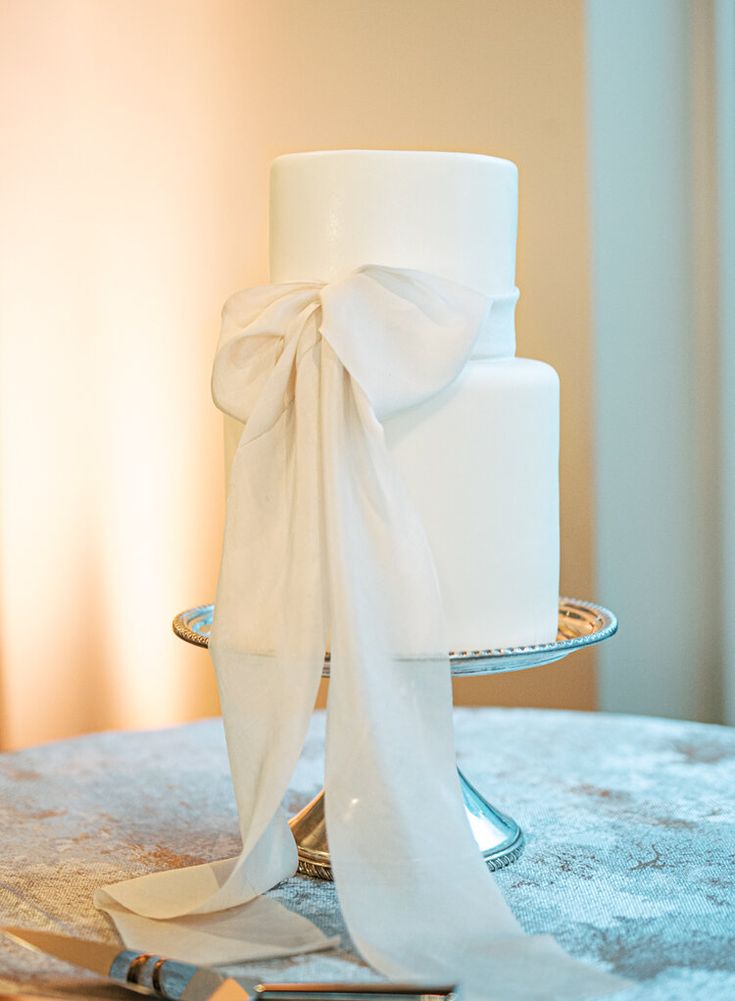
(499, 837)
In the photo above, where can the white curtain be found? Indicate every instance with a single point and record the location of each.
(661, 78)
(725, 159)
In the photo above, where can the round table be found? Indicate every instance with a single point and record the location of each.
(629, 861)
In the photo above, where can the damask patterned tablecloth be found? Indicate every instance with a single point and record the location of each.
(629, 861)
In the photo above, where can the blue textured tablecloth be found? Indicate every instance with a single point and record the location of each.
(630, 826)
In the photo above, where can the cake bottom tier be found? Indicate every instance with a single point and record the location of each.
(480, 462)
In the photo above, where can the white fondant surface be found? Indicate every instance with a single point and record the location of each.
(452, 214)
(481, 459)
(480, 462)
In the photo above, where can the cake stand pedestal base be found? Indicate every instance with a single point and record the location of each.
(498, 837)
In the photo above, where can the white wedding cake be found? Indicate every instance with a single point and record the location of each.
(480, 460)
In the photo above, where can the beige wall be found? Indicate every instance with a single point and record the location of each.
(134, 183)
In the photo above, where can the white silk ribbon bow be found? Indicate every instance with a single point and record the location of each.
(322, 549)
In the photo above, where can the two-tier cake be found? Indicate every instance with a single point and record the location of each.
(480, 460)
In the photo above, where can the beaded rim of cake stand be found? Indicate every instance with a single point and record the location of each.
(580, 624)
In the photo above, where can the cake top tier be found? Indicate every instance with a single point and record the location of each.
(452, 214)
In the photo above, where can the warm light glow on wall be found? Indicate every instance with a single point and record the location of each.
(123, 231)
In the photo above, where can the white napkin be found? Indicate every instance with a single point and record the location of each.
(322, 548)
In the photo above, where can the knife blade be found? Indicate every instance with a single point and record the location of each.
(144, 973)
(176, 981)
(101, 989)
(81, 990)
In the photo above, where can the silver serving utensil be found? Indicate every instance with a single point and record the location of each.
(176, 981)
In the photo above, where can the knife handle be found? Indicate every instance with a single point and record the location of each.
(166, 977)
(354, 992)
(351, 996)
(308, 995)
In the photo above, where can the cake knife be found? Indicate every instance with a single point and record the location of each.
(176, 981)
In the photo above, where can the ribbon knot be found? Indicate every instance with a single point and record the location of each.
(401, 335)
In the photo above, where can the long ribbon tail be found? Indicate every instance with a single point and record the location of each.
(415, 893)
(270, 586)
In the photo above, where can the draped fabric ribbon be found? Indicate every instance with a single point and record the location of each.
(322, 549)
